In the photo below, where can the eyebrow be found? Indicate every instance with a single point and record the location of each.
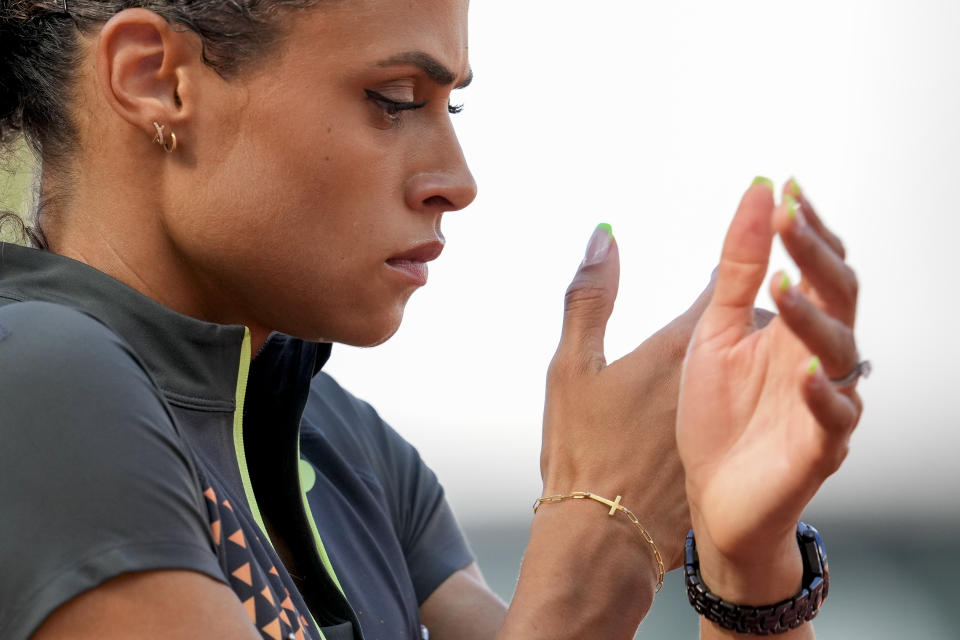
(429, 65)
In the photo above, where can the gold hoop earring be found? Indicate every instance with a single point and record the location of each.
(170, 146)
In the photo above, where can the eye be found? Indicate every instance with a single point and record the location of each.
(392, 109)
(454, 108)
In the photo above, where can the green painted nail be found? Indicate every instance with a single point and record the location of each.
(814, 365)
(791, 206)
(794, 188)
(767, 182)
(599, 246)
(784, 282)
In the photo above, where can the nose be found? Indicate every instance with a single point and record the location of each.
(447, 187)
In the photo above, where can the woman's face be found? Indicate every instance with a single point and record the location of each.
(317, 182)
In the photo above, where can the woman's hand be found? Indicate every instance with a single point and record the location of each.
(760, 425)
(610, 429)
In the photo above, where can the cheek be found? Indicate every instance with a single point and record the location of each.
(297, 222)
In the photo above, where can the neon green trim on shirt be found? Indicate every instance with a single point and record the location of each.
(318, 542)
(242, 376)
(238, 433)
(238, 448)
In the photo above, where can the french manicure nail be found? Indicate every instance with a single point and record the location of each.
(793, 209)
(599, 245)
(784, 282)
(794, 188)
(767, 182)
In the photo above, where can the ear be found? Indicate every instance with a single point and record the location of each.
(146, 70)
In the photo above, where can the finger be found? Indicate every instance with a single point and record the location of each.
(823, 335)
(836, 413)
(822, 268)
(743, 265)
(588, 303)
(792, 188)
(689, 318)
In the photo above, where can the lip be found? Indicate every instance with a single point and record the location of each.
(413, 263)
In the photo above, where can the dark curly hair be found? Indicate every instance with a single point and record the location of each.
(40, 53)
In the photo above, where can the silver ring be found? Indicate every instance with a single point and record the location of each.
(863, 369)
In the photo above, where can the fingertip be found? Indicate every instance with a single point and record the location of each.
(784, 284)
(791, 207)
(762, 181)
(601, 242)
(788, 217)
(780, 286)
(589, 299)
(759, 196)
(835, 412)
(761, 192)
(792, 188)
(813, 379)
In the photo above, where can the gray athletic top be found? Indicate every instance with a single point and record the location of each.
(134, 438)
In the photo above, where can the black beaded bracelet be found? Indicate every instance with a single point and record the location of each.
(776, 618)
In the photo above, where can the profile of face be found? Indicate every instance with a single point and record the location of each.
(307, 194)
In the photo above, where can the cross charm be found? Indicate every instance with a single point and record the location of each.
(613, 505)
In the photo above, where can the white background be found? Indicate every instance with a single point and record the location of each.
(655, 117)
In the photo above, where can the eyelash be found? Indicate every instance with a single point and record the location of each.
(393, 108)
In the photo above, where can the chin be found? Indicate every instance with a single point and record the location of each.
(370, 332)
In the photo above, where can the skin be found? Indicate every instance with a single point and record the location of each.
(291, 189)
(744, 391)
(765, 401)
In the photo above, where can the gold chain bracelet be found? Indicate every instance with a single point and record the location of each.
(614, 507)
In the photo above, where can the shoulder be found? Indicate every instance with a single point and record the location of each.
(338, 426)
(77, 403)
(351, 424)
(431, 540)
(45, 341)
(59, 364)
(96, 480)
(329, 395)
(36, 318)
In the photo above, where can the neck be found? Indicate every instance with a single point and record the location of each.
(127, 241)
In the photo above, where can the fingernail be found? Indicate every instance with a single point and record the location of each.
(599, 245)
(784, 282)
(794, 188)
(814, 365)
(793, 209)
(767, 182)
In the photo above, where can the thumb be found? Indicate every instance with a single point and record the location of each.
(743, 266)
(589, 302)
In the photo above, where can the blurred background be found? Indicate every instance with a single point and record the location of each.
(654, 117)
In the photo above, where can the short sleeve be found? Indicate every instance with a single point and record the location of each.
(433, 544)
(94, 478)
